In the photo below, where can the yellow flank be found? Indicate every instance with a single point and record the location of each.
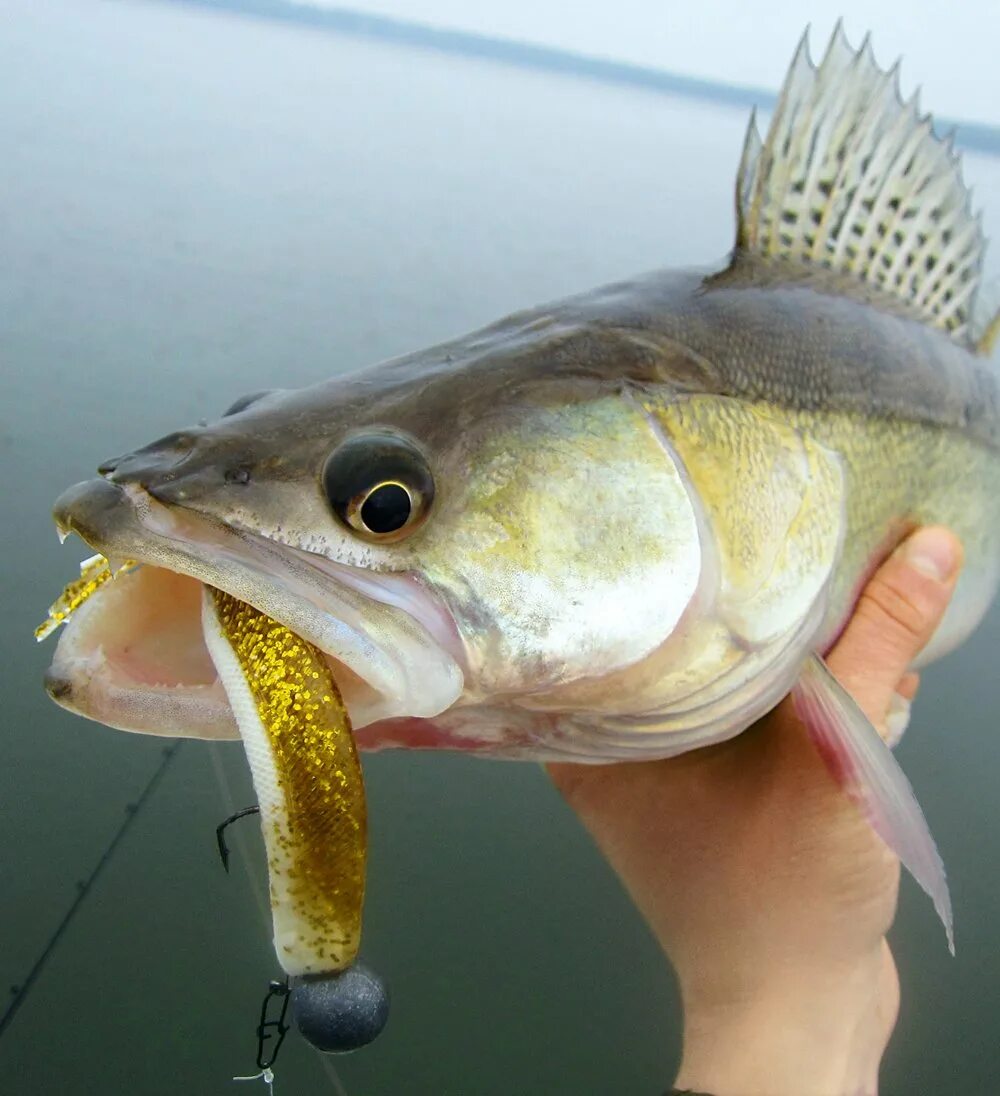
(94, 572)
(317, 845)
(775, 500)
(830, 475)
(746, 471)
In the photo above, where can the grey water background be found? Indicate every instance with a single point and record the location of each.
(194, 205)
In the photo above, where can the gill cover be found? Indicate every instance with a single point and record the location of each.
(770, 506)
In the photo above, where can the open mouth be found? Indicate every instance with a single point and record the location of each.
(134, 657)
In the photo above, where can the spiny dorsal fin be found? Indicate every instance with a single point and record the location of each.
(853, 179)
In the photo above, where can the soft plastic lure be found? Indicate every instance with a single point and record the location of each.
(94, 572)
(307, 777)
(304, 764)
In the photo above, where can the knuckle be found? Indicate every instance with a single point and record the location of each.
(901, 612)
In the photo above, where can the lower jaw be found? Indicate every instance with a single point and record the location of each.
(98, 702)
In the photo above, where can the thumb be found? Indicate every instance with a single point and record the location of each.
(896, 615)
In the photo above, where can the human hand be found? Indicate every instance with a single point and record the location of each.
(766, 887)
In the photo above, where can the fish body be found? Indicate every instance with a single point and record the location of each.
(581, 450)
(612, 527)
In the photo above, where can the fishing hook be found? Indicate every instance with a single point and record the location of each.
(220, 832)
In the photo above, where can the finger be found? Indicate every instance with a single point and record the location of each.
(896, 615)
(897, 719)
(908, 685)
(897, 716)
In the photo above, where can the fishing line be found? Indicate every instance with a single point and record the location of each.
(263, 907)
(20, 992)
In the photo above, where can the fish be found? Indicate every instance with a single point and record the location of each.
(615, 527)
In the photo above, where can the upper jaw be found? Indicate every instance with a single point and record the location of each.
(369, 623)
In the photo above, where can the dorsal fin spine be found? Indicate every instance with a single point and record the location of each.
(988, 338)
(752, 146)
(852, 178)
(882, 203)
(935, 191)
(960, 296)
(867, 123)
(800, 68)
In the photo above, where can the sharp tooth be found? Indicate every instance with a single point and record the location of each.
(116, 563)
(62, 534)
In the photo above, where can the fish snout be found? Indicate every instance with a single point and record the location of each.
(179, 466)
(158, 459)
(88, 509)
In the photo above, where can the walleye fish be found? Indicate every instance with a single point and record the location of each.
(616, 527)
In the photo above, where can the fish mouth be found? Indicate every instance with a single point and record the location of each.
(133, 656)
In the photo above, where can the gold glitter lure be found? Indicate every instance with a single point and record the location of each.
(94, 572)
(308, 780)
(304, 764)
(300, 746)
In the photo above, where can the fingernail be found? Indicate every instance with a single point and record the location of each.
(932, 552)
(897, 720)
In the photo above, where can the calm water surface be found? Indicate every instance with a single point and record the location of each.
(197, 206)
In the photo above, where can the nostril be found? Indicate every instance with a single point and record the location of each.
(158, 459)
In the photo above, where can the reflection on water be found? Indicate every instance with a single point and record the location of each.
(195, 207)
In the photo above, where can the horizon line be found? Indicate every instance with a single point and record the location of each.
(971, 136)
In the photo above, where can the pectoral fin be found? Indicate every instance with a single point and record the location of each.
(867, 770)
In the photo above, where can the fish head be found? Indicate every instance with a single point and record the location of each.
(465, 540)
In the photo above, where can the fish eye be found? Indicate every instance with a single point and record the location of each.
(379, 485)
(245, 401)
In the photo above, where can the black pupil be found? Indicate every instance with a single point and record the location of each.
(378, 484)
(386, 509)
